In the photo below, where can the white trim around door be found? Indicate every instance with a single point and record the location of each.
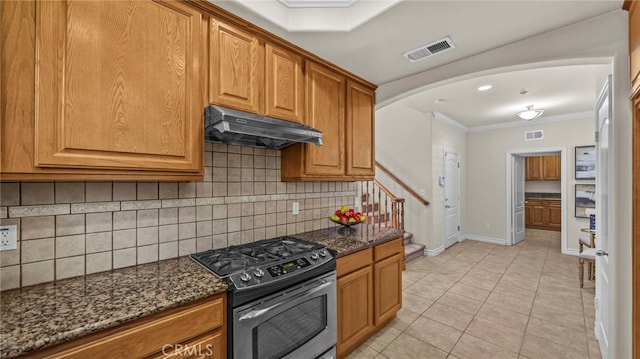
(563, 194)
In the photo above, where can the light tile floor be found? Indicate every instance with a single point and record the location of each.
(479, 300)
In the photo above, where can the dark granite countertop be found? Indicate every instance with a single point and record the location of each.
(542, 196)
(348, 240)
(42, 315)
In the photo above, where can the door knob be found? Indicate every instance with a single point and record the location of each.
(601, 252)
(447, 206)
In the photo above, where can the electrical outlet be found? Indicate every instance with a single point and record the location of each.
(296, 208)
(8, 238)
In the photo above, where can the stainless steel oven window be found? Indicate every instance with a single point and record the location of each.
(298, 323)
(285, 332)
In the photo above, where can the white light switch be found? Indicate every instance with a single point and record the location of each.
(296, 208)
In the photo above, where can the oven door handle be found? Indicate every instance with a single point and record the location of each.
(259, 312)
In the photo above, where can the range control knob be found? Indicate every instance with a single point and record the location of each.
(245, 277)
(323, 254)
(314, 256)
(258, 273)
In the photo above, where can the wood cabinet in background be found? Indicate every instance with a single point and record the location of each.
(195, 330)
(344, 111)
(543, 168)
(115, 93)
(246, 73)
(284, 84)
(369, 292)
(543, 214)
(236, 67)
(355, 306)
(360, 130)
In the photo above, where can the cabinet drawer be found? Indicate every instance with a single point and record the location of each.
(351, 262)
(150, 337)
(209, 346)
(388, 249)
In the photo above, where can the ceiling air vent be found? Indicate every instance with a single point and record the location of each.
(533, 135)
(429, 49)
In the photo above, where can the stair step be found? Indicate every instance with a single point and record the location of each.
(407, 237)
(413, 251)
(370, 207)
(376, 217)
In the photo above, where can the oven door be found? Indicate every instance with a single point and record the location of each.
(299, 323)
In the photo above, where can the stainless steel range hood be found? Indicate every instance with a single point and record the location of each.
(235, 127)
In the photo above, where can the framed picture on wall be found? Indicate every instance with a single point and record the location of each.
(585, 162)
(585, 198)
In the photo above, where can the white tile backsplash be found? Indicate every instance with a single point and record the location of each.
(76, 228)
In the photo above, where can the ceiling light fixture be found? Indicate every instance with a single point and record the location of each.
(530, 114)
(484, 88)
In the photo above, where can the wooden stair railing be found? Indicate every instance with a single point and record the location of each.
(402, 184)
(381, 207)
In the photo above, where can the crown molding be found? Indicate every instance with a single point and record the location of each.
(449, 121)
(539, 120)
(439, 116)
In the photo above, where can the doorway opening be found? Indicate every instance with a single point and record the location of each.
(536, 194)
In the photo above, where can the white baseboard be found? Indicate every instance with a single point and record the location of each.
(486, 239)
(433, 252)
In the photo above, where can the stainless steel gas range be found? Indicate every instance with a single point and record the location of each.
(281, 299)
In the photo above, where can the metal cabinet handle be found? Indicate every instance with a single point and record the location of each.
(601, 252)
(447, 206)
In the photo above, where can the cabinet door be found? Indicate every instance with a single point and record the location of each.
(555, 215)
(551, 168)
(235, 73)
(355, 309)
(388, 288)
(528, 215)
(360, 130)
(284, 84)
(533, 169)
(118, 85)
(325, 94)
(539, 214)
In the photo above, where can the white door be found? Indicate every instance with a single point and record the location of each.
(451, 198)
(517, 199)
(604, 258)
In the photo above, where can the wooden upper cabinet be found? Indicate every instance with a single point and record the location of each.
(284, 84)
(343, 109)
(360, 130)
(325, 91)
(543, 168)
(118, 85)
(533, 170)
(551, 168)
(235, 73)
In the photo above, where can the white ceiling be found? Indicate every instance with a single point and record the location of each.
(374, 50)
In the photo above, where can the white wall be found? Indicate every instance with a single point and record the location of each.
(450, 139)
(486, 165)
(403, 145)
(603, 39)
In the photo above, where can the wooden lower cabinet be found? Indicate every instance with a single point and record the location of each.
(195, 330)
(369, 293)
(388, 297)
(355, 308)
(543, 214)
